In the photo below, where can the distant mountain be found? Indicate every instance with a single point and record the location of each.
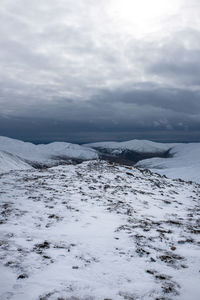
(130, 152)
(172, 159)
(48, 154)
(183, 163)
(142, 146)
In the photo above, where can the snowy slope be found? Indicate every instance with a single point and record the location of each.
(98, 231)
(10, 162)
(184, 164)
(143, 146)
(46, 154)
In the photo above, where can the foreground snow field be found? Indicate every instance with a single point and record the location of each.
(98, 231)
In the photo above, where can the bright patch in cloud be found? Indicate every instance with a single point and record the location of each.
(142, 16)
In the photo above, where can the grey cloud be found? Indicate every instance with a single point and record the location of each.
(178, 59)
(40, 130)
(136, 108)
(65, 62)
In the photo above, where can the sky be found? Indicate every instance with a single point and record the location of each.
(94, 70)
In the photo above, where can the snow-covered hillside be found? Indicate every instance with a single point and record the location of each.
(185, 162)
(143, 146)
(98, 231)
(10, 162)
(48, 154)
(174, 160)
(182, 161)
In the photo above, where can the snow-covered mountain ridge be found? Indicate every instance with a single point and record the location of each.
(47, 154)
(176, 160)
(98, 231)
(184, 163)
(142, 146)
(173, 160)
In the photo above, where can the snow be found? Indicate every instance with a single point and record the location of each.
(46, 154)
(184, 164)
(10, 162)
(98, 231)
(143, 146)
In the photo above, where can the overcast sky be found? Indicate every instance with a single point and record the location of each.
(88, 70)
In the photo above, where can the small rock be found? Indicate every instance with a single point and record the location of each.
(75, 267)
(173, 248)
(22, 276)
(150, 271)
(46, 256)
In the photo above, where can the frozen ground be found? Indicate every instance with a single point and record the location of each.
(98, 231)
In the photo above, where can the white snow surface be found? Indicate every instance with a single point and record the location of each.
(98, 231)
(184, 164)
(45, 153)
(143, 146)
(10, 162)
